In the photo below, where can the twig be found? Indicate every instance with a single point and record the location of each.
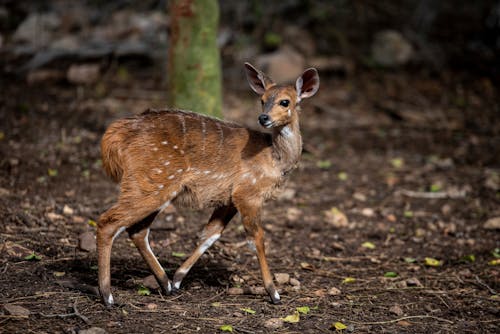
(431, 195)
(65, 315)
(484, 285)
(400, 319)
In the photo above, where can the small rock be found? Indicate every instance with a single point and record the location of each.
(359, 197)
(93, 330)
(4, 192)
(78, 219)
(282, 278)
(284, 65)
(391, 49)
(16, 310)
(273, 323)
(293, 214)
(52, 216)
(368, 212)
(235, 291)
(67, 210)
(492, 224)
(336, 218)
(413, 281)
(396, 310)
(150, 282)
(287, 194)
(151, 306)
(294, 282)
(334, 291)
(87, 242)
(319, 293)
(83, 74)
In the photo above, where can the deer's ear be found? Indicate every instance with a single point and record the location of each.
(307, 84)
(257, 80)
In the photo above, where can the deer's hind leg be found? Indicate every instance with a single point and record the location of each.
(135, 216)
(211, 232)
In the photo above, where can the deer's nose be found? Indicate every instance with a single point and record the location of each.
(264, 119)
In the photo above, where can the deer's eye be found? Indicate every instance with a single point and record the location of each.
(284, 103)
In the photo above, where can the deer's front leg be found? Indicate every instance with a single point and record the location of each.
(252, 223)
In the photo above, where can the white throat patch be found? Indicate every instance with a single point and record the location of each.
(286, 131)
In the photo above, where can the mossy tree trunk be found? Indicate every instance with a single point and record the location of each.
(194, 74)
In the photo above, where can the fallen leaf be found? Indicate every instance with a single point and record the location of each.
(342, 176)
(410, 260)
(468, 258)
(339, 326)
(248, 310)
(303, 309)
(226, 328)
(92, 223)
(348, 280)
(492, 224)
(52, 172)
(336, 218)
(293, 318)
(496, 253)
(391, 274)
(368, 244)
(16, 310)
(179, 254)
(216, 304)
(397, 162)
(59, 273)
(431, 262)
(408, 214)
(494, 262)
(33, 257)
(323, 164)
(435, 187)
(396, 310)
(306, 266)
(143, 291)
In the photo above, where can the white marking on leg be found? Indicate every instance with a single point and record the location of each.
(276, 295)
(177, 285)
(120, 230)
(169, 287)
(251, 245)
(148, 247)
(207, 243)
(183, 271)
(110, 299)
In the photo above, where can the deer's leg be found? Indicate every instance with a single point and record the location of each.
(118, 218)
(139, 234)
(252, 223)
(211, 232)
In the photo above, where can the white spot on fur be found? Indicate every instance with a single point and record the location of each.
(246, 175)
(154, 149)
(285, 131)
(164, 142)
(157, 170)
(182, 151)
(164, 205)
(289, 113)
(179, 170)
(174, 193)
(160, 186)
(175, 147)
(171, 177)
(167, 163)
(207, 172)
(188, 169)
(254, 180)
(120, 230)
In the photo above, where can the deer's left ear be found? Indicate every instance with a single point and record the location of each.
(307, 84)
(257, 80)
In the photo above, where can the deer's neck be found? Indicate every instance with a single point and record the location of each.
(287, 145)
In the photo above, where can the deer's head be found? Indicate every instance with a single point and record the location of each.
(280, 102)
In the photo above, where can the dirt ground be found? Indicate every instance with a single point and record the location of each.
(398, 167)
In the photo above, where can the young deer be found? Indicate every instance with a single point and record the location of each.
(164, 156)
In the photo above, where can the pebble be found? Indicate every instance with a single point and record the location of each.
(413, 281)
(87, 242)
(334, 291)
(294, 282)
(68, 211)
(273, 323)
(396, 310)
(492, 224)
(282, 278)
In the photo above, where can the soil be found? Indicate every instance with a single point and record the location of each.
(398, 167)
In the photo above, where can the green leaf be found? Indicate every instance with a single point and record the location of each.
(33, 257)
(52, 172)
(226, 328)
(496, 253)
(408, 214)
(436, 187)
(397, 162)
(179, 254)
(391, 274)
(303, 309)
(216, 304)
(94, 267)
(323, 164)
(143, 291)
(292, 319)
(494, 262)
(431, 262)
(92, 223)
(339, 326)
(410, 260)
(248, 310)
(369, 245)
(342, 176)
(348, 280)
(468, 258)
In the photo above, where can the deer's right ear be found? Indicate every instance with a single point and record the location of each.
(257, 80)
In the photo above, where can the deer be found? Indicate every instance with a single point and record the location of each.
(170, 156)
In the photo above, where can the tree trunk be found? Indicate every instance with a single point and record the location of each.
(194, 74)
